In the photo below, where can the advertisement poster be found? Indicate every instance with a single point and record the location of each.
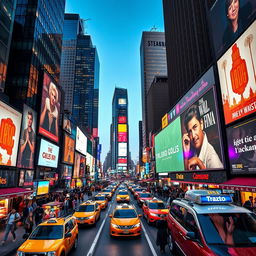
(238, 78)
(229, 19)
(43, 187)
(122, 120)
(122, 160)
(122, 149)
(66, 124)
(26, 178)
(77, 165)
(50, 110)
(122, 101)
(48, 154)
(122, 137)
(122, 128)
(242, 147)
(10, 122)
(168, 148)
(27, 139)
(67, 172)
(81, 141)
(201, 135)
(69, 150)
(8, 178)
(82, 167)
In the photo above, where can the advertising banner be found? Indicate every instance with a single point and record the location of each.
(164, 121)
(81, 141)
(229, 19)
(89, 146)
(122, 128)
(122, 101)
(66, 124)
(168, 148)
(242, 147)
(8, 178)
(77, 165)
(67, 172)
(122, 149)
(26, 178)
(10, 122)
(122, 160)
(43, 187)
(27, 139)
(237, 77)
(122, 137)
(122, 120)
(50, 110)
(48, 154)
(69, 150)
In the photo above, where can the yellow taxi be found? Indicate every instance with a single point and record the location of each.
(101, 200)
(125, 221)
(88, 213)
(122, 196)
(108, 193)
(54, 237)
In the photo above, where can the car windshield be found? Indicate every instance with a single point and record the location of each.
(86, 208)
(156, 206)
(138, 189)
(231, 229)
(100, 198)
(144, 195)
(107, 190)
(123, 193)
(125, 214)
(47, 232)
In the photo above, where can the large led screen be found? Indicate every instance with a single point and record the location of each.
(10, 122)
(43, 187)
(229, 18)
(48, 154)
(79, 166)
(81, 141)
(122, 149)
(26, 178)
(122, 120)
(122, 161)
(122, 137)
(69, 150)
(67, 124)
(27, 139)
(67, 172)
(237, 77)
(122, 128)
(50, 110)
(168, 148)
(242, 147)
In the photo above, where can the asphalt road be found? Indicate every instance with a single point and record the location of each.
(96, 240)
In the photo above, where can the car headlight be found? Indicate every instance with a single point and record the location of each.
(90, 217)
(19, 253)
(51, 254)
(114, 225)
(137, 225)
(153, 214)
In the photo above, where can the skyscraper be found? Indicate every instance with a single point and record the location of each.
(35, 47)
(153, 62)
(120, 130)
(7, 10)
(187, 44)
(73, 26)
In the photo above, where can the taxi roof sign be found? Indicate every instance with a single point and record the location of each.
(207, 197)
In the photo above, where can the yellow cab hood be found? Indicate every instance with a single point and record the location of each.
(100, 201)
(40, 245)
(83, 214)
(125, 221)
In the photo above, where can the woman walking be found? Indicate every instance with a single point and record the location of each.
(29, 223)
(161, 239)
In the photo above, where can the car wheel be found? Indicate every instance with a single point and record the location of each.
(75, 243)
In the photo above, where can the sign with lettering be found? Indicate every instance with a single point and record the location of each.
(8, 178)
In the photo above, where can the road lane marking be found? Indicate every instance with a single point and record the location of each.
(94, 243)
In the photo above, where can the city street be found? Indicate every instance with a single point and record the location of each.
(96, 240)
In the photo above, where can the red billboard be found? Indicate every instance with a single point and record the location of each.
(122, 137)
(122, 120)
(122, 160)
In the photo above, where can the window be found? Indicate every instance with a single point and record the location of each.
(178, 212)
(190, 224)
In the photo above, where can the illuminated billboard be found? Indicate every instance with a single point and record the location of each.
(48, 154)
(122, 149)
(122, 101)
(122, 128)
(43, 187)
(81, 141)
(122, 120)
(122, 161)
(67, 172)
(69, 150)
(237, 77)
(26, 178)
(50, 110)
(27, 139)
(79, 166)
(66, 124)
(122, 137)
(10, 122)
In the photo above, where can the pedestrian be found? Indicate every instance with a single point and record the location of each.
(39, 214)
(161, 239)
(12, 218)
(249, 203)
(29, 223)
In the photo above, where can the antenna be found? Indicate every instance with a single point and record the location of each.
(83, 23)
(154, 28)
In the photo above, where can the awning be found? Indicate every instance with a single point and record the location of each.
(14, 192)
(247, 184)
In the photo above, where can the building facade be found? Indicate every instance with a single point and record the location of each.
(153, 62)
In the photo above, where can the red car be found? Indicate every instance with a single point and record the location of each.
(207, 224)
(136, 191)
(142, 197)
(153, 209)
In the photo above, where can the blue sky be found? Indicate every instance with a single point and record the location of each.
(116, 27)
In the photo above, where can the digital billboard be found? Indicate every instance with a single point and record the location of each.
(122, 101)
(122, 137)
(122, 120)
(81, 141)
(242, 147)
(122, 149)
(67, 172)
(26, 178)
(237, 77)
(229, 19)
(10, 122)
(122, 161)
(50, 110)
(48, 154)
(76, 165)
(27, 139)
(43, 187)
(66, 124)
(122, 128)
(69, 150)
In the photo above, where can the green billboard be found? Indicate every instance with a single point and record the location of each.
(168, 149)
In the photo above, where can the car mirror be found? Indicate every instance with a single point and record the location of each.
(110, 215)
(140, 215)
(191, 235)
(67, 235)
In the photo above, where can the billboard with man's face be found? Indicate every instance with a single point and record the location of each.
(10, 122)
(27, 139)
(50, 110)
